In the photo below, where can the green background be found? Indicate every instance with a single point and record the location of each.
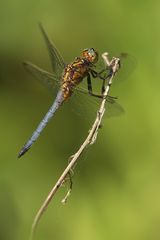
(116, 192)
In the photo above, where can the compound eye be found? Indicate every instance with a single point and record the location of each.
(91, 52)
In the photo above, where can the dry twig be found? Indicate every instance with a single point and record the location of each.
(113, 67)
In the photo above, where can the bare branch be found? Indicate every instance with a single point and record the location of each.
(113, 66)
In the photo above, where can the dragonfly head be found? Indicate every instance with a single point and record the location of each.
(90, 55)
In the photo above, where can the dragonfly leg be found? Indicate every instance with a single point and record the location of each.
(111, 97)
(97, 74)
(89, 83)
(103, 86)
(94, 73)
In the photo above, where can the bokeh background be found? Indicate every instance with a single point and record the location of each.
(116, 192)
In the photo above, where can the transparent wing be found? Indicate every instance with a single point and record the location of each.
(128, 64)
(113, 108)
(90, 104)
(83, 104)
(56, 59)
(47, 79)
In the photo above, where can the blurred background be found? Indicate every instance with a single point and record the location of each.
(116, 191)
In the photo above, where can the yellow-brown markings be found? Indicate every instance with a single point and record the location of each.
(73, 75)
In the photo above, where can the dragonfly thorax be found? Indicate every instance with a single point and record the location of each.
(90, 55)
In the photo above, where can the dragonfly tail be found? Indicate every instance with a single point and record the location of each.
(58, 101)
(23, 151)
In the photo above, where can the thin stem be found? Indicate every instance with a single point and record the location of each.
(90, 139)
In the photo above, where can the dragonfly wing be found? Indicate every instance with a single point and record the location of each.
(113, 108)
(44, 77)
(56, 59)
(128, 64)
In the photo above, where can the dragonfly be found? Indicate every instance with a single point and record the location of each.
(69, 76)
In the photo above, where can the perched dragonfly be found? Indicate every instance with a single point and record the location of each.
(69, 76)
